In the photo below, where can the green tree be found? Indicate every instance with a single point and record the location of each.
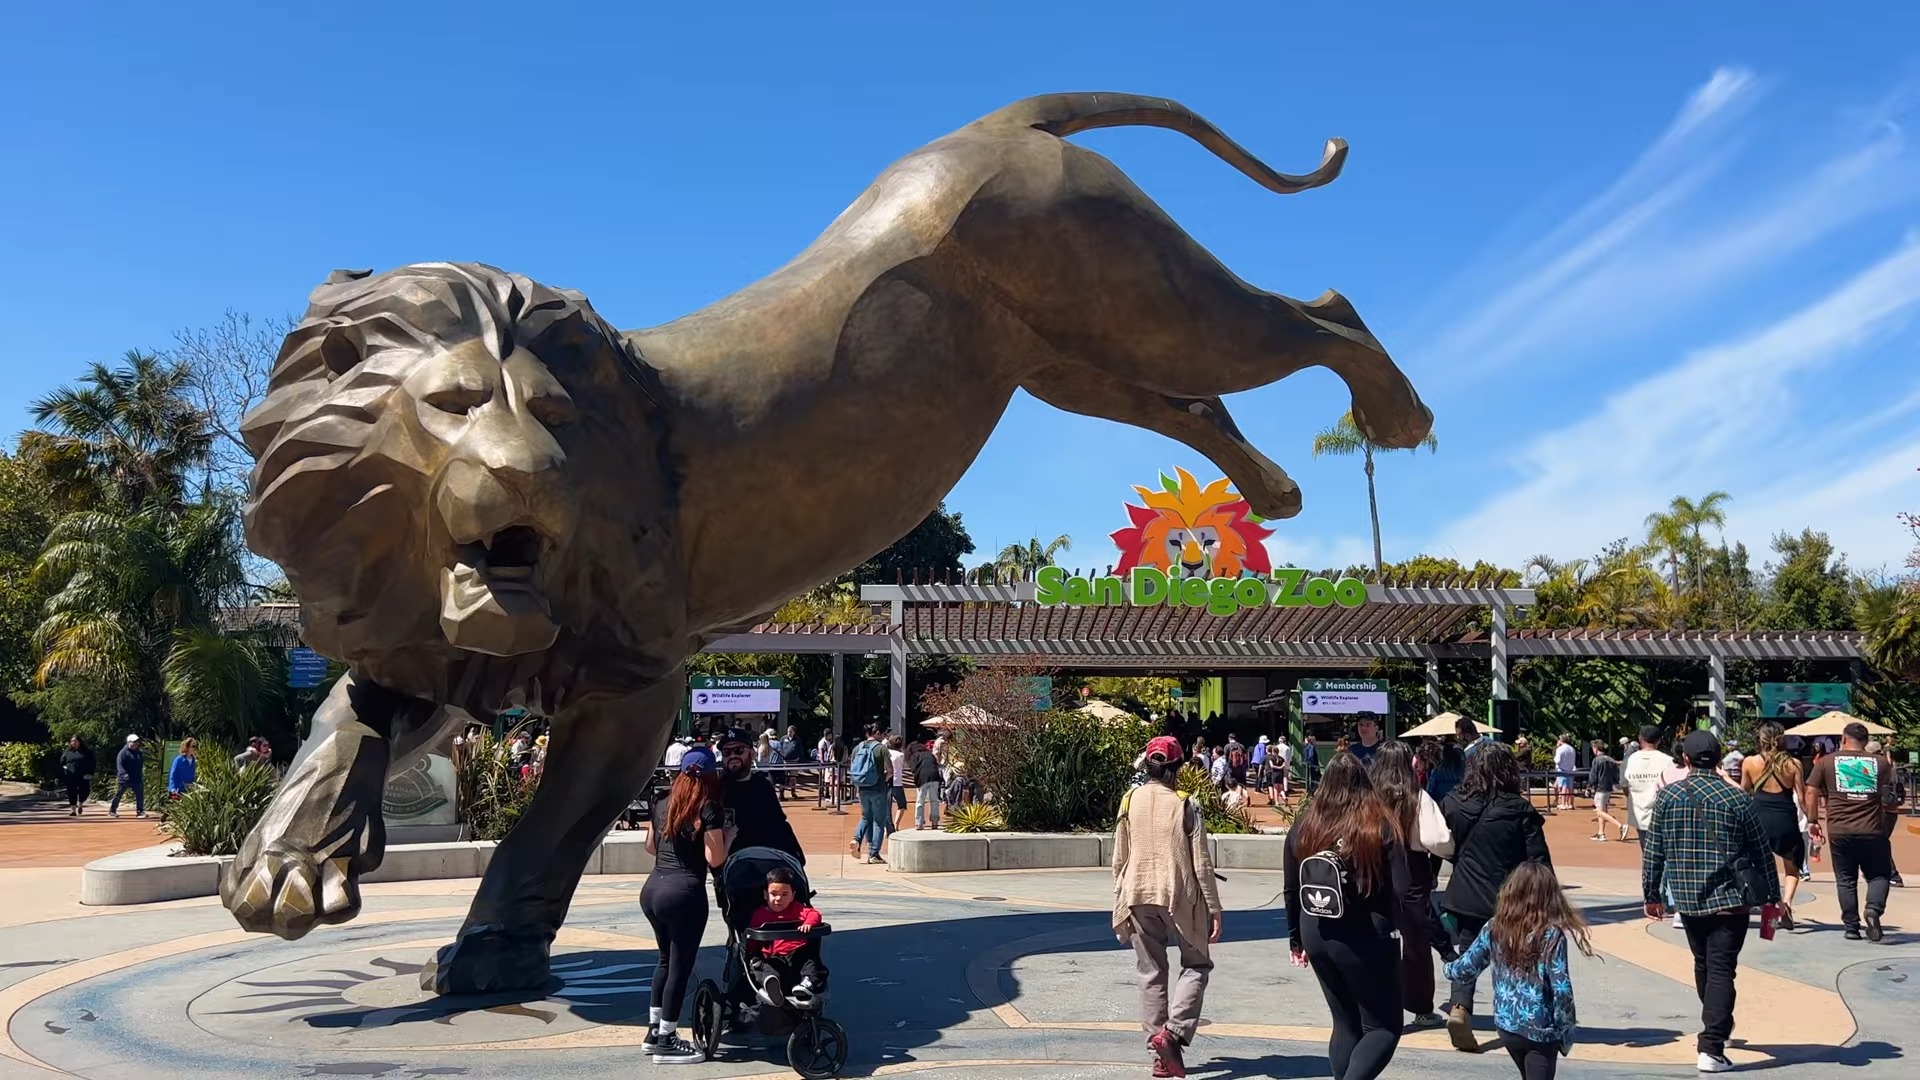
(1344, 439)
(1810, 586)
(1678, 533)
(126, 436)
(936, 545)
(1019, 561)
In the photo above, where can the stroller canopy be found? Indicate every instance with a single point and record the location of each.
(745, 872)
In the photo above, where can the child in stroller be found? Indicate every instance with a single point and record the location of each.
(775, 983)
(787, 970)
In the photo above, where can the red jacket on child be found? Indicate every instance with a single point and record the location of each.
(796, 913)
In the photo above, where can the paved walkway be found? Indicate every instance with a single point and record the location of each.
(1002, 975)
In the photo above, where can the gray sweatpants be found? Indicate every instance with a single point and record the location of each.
(1153, 931)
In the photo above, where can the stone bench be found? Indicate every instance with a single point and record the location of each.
(925, 852)
(152, 874)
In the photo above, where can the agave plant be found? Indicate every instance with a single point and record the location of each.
(973, 818)
(1194, 783)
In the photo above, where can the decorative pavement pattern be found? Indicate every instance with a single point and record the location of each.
(1000, 975)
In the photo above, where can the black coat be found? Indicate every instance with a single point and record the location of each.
(1489, 840)
(758, 817)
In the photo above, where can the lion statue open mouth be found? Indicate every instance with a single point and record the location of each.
(481, 491)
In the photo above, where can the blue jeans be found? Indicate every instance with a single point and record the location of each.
(876, 817)
(139, 796)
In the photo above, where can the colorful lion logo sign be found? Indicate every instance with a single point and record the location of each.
(1187, 531)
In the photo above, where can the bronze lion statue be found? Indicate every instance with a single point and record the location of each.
(479, 489)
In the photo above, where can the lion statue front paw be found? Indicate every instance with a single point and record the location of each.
(287, 892)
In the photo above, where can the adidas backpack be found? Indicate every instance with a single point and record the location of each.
(1323, 884)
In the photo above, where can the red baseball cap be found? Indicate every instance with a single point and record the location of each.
(1164, 747)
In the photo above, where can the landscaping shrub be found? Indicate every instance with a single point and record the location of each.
(1221, 819)
(491, 795)
(35, 763)
(219, 810)
(972, 818)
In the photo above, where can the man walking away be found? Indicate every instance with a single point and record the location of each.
(1164, 893)
(1563, 766)
(924, 770)
(128, 772)
(1260, 764)
(871, 773)
(1856, 790)
(1707, 846)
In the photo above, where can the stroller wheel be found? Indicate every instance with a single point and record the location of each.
(817, 1048)
(706, 1018)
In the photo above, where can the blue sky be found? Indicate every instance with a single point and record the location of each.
(1625, 254)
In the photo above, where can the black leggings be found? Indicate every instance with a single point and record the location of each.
(676, 906)
(1359, 971)
(1536, 1060)
(76, 790)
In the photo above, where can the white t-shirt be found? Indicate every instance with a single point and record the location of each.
(899, 759)
(824, 751)
(1286, 753)
(675, 751)
(1643, 777)
(1563, 759)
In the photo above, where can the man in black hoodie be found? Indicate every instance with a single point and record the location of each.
(751, 800)
(1494, 830)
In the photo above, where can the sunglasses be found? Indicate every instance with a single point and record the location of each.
(736, 750)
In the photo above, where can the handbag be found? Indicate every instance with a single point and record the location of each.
(1749, 881)
(1435, 837)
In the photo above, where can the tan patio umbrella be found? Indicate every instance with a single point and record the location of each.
(1105, 712)
(1443, 725)
(967, 716)
(1831, 723)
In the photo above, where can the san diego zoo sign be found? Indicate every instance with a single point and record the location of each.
(1144, 586)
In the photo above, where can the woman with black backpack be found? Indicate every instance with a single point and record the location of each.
(1495, 828)
(1348, 888)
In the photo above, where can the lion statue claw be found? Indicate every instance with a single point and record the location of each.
(480, 490)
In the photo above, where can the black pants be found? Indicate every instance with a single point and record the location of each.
(676, 906)
(791, 968)
(1716, 941)
(1358, 966)
(1465, 929)
(1536, 1060)
(1870, 857)
(1416, 961)
(76, 790)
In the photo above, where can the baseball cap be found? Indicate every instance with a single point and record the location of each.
(1701, 749)
(1263, 739)
(734, 735)
(698, 760)
(133, 738)
(1164, 747)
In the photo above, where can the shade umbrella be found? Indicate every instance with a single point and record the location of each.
(1105, 712)
(967, 716)
(1832, 724)
(1443, 724)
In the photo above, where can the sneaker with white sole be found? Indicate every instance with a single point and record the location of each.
(768, 985)
(1713, 1063)
(670, 1049)
(650, 1041)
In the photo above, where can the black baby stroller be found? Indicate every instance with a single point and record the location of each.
(816, 1046)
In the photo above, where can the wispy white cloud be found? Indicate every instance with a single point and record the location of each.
(1752, 416)
(1653, 241)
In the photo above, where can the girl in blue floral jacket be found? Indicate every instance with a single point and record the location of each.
(1526, 942)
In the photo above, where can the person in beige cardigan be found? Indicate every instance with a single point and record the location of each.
(1164, 893)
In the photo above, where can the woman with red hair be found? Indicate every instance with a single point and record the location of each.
(688, 836)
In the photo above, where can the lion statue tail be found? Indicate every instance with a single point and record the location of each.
(1062, 115)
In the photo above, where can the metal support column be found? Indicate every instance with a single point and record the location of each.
(1498, 639)
(897, 671)
(839, 695)
(1717, 691)
(1433, 687)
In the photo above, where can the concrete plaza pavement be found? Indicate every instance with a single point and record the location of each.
(1010, 974)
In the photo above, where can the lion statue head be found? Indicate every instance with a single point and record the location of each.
(1185, 530)
(433, 443)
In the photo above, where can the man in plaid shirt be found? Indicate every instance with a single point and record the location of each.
(1702, 826)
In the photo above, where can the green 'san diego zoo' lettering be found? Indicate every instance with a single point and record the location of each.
(1148, 587)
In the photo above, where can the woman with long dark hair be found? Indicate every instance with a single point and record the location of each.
(1494, 829)
(1347, 889)
(76, 773)
(1424, 829)
(688, 836)
(1773, 778)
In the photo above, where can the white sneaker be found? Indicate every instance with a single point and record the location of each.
(1713, 1063)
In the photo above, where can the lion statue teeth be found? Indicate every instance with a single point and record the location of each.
(481, 491)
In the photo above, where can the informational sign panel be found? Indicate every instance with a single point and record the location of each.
(305, 668)
(736, 693)
(1344, 697)
(1804, 701)
(1041, 687)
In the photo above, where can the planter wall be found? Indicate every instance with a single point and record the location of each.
(924, 852)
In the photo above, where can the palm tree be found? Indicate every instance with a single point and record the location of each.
(1889, 613)
(129, 435)
(1345, 439)
(1022, 560)
(1677, 532)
